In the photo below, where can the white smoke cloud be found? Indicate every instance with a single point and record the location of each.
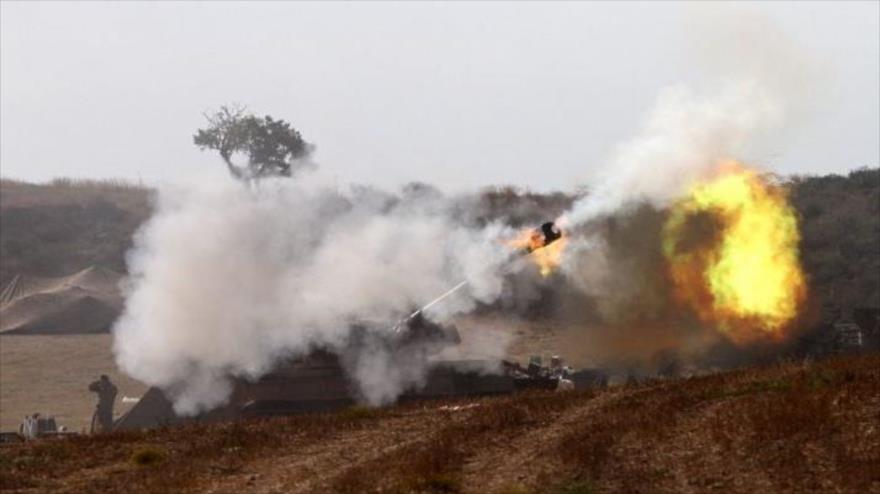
(755, 85)
(226, 281)
(683, 139)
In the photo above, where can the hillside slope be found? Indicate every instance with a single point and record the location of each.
(86, 302)
(784, 428)
(63, 227)
(840, 230)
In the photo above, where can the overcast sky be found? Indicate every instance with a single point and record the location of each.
(459, 95)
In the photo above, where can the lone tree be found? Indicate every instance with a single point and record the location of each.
(272, 147)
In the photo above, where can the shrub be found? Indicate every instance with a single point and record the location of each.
(147, 455)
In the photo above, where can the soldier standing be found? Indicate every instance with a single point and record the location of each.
(102, 420)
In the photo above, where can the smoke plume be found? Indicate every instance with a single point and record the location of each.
(227, 281)
(755, 85)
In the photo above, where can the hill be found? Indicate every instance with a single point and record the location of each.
(66, 226)
(86, 302)
(61, 228)
(805, 427)
(840, 229)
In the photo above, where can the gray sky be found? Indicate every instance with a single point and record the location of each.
(459, 95)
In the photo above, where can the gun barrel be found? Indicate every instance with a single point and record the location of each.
(541, 237)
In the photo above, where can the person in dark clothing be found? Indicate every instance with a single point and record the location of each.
(102, 420)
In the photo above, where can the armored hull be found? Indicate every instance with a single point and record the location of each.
(317, 383)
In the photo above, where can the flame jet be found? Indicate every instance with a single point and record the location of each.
(545, 242)
(541, 237)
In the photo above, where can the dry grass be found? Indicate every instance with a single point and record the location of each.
(163, 460)
(438, 467)
(789, 427)
(147, 455)
(71, 191)
(797, 422)
(813, 429)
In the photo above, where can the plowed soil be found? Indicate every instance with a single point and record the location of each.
(793, 427)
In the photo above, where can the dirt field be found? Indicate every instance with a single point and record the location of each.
(796, 427)
(51, 374)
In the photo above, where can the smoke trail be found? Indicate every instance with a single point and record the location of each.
(683, 138)
(755, 85)
(226, 281)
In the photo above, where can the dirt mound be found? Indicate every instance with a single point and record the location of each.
(85, 302)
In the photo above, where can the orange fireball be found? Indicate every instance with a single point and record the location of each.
(747, 280)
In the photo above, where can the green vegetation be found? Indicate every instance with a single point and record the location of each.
(272, 147)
